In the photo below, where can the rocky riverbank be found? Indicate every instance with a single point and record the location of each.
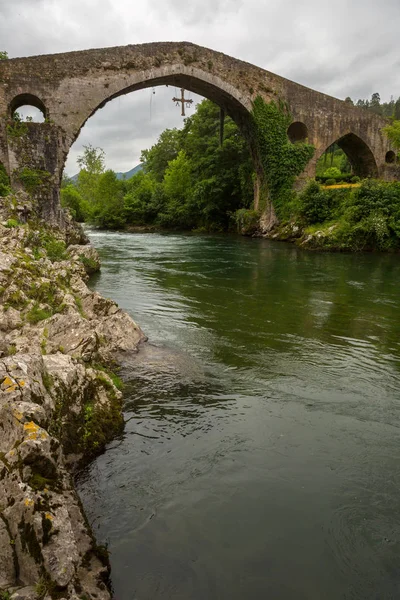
(59, 405)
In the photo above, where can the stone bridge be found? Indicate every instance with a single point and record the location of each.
(69, 88)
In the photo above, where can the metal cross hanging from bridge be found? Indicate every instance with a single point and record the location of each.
(182, 100)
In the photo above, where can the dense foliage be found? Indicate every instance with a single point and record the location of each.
(362, 218)
(192, 181)
(333, 164)
(282, 161)
(393, 133)
(189, 181)
(4, 182)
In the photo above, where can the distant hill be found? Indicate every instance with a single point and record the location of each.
(126, 175)
(130, 173)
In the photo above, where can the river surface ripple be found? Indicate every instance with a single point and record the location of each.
(260, 457)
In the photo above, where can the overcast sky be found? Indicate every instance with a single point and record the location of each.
(343, 48)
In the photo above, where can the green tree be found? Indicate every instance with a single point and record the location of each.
(222, 175)
(143, 200)
(108, 208)
(71, 199)
(91, 163)
(220, 182)
(3, 55)
(92, 160)
(396, 113)
(177, 187)
(375, 104)
(393, 133)
(332, 173)
(156, 159)
(189, 179)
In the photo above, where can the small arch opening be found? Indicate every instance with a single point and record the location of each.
(27, 107)
(348, 157)
(390, 157)
(297, 132)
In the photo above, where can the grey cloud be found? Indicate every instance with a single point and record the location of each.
(201, 11)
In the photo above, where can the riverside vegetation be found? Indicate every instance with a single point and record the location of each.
(190, 181)
(60, 402)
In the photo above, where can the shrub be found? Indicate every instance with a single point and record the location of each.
(246, 221)
(314, 204)
(71, 198)
(37, 314)
(33, 179)
(55, 249)
(332, 173)
(11, 223)
(91, 265)
(371, 217)
(330, 182)
(355, 179)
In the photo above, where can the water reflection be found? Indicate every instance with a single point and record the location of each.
(262, 438)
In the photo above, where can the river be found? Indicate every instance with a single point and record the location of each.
(261, 453)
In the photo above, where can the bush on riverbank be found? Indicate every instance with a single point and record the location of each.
(362, 218)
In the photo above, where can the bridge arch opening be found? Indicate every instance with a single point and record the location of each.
(348, 156)
(297, 132)
(28, 107)
(225, 198)
(390, 157)
(229, 99)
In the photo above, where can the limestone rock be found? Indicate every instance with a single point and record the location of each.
(25, 593)
(87, 255)
(57, 409)
(60, 554)
(7, 570)
(10, 318)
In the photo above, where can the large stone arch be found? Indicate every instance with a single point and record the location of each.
(73, 85)
(99, 93)
(224, 94)
(95, 97)
(358, 152)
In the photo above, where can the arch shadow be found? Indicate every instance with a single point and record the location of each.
(390, 157)
(297, 132)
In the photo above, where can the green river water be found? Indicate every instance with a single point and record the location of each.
(261, 453)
